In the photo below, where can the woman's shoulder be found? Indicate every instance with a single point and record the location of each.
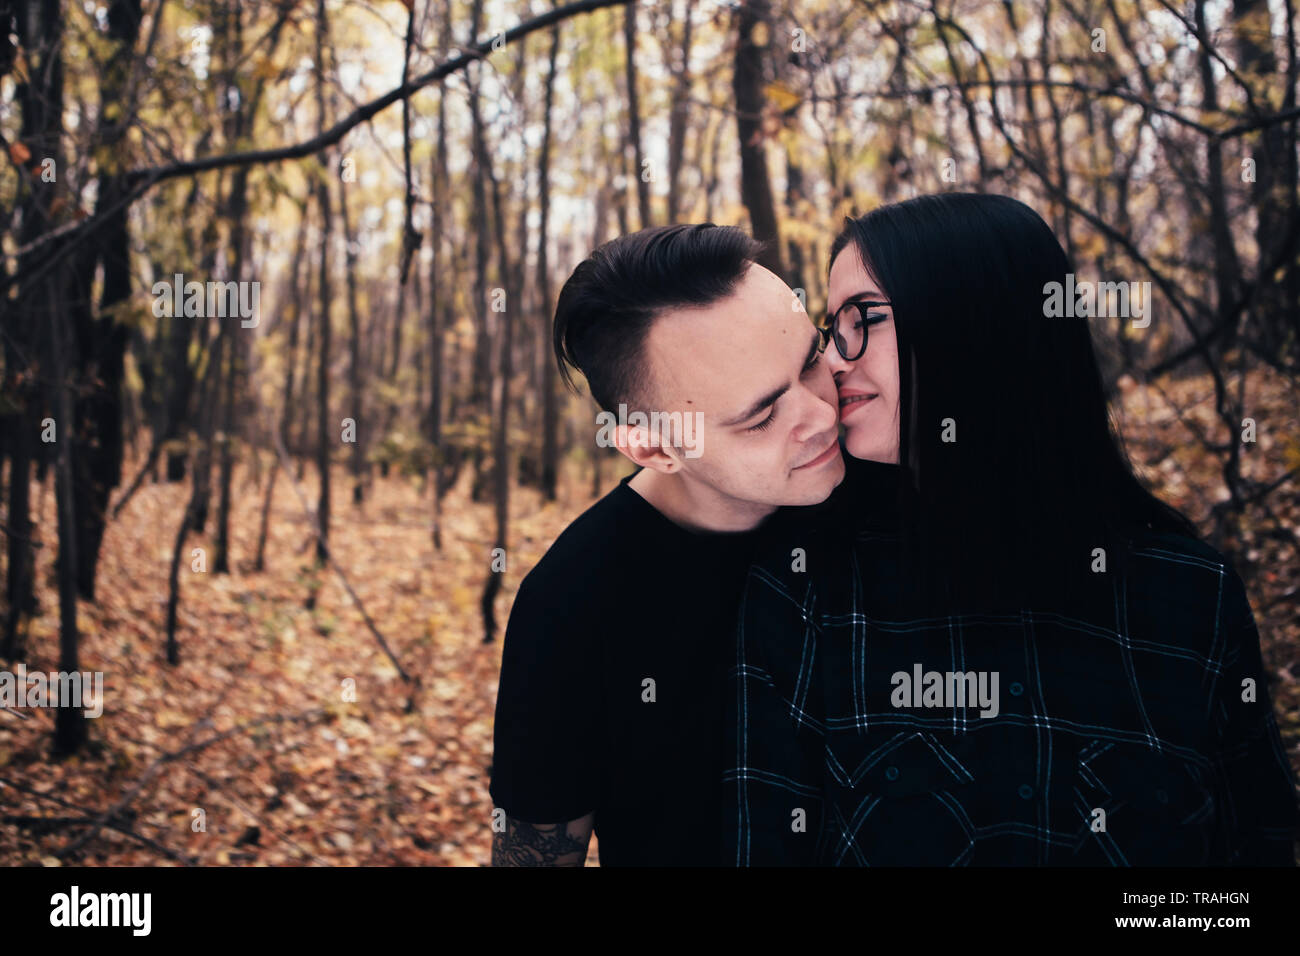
(1186, 584)
(1168, 546)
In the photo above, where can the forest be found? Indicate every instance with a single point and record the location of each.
(280, 418)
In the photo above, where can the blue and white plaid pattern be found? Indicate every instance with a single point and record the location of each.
(1124, 733)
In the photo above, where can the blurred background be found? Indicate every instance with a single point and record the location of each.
(280, 420)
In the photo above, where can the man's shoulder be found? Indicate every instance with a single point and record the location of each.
(594, 547)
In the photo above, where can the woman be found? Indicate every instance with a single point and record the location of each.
(993, 646)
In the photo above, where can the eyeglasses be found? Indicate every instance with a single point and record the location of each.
(849, 330)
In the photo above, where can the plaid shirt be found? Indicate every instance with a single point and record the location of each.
(1114, 730)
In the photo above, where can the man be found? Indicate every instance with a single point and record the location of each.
(609, 711)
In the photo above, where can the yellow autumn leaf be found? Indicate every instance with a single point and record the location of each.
(782, 97)
(1291, 452)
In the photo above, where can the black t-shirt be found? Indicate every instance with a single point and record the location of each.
(612, 676)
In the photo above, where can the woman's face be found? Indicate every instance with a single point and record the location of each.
(868, 386)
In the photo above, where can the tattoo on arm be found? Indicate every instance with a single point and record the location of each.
(539, 844)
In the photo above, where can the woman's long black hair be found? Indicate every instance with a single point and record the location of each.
(1037, 477)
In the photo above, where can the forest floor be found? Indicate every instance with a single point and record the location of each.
(246, 753)
(393, 778)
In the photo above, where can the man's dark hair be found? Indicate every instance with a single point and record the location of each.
(608, 304)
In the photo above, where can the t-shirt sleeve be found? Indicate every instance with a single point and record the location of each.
(544, 752)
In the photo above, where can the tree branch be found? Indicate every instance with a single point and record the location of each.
(358, 116)
(139, 181)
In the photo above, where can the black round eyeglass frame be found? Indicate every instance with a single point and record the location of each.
(833, 328)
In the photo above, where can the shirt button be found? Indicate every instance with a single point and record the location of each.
(891, 773)
(1025, 791)
(1016, 688)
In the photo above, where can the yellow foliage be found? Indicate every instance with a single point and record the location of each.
(782, 97)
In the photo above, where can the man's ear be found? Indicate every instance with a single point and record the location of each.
(645, 448)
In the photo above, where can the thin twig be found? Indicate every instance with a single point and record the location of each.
(316, 531)
(153, 769)
(234, 798)
(125, 831)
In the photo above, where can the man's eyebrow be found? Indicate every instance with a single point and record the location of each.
(770, 399)
(767, 401)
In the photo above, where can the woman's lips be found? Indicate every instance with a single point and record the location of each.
(850, 402)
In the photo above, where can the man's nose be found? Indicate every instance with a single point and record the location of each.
(822, 414)
(834, 361)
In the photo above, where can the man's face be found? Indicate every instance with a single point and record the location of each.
(750, 365)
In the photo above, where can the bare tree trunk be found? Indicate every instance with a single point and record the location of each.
(201, 473)
(1227, 276)
(634, 114)
(500, 438)
(174, 580)
(230, 33)
(1065, 226)
(15, 431)
(480, 399)
(1274, 193)
(208, 401)
(69, 722)
(411, 238)
(501, 468)
(550, 403)
(794, 200)
(184, 373)
(712, 177)
(294, 307)
(440, 298)
(41, 97)
(617, 198)
(238, 208)
(747, 84)
(303, 442)
(358, 458)
(323, 368)
(43, 305)
(100, 338)
(677, 121)
(18, 582)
